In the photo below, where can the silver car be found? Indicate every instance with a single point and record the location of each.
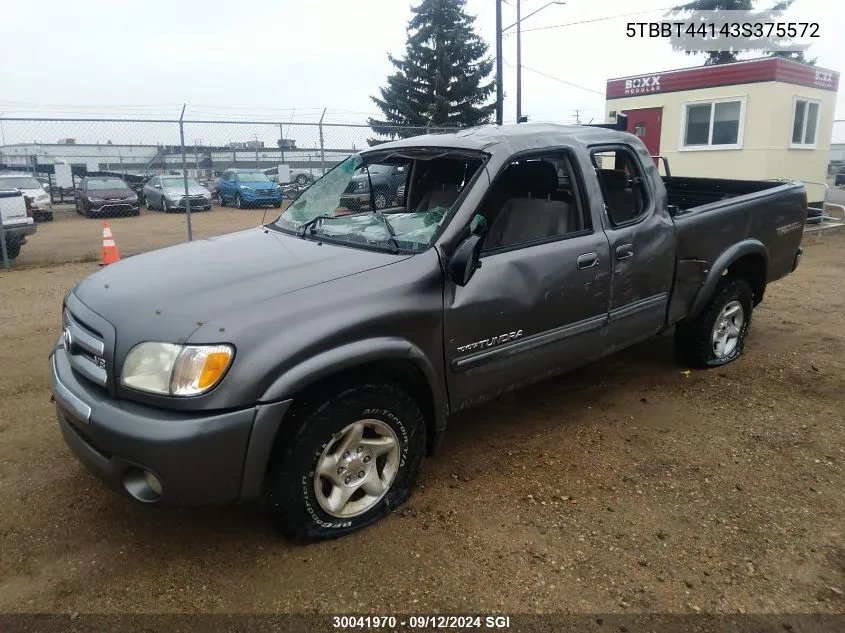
(167, 193)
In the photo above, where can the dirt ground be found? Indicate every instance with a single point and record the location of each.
(628, 486)
(74, 238)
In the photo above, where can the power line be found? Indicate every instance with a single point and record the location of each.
(610, 17)
(563, 81)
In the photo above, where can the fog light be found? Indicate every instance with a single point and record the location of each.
(153, 482)
(143, 485)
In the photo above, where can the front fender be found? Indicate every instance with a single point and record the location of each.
(729, 256)
(354, 354)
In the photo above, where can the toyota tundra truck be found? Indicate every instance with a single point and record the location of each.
(313, 362)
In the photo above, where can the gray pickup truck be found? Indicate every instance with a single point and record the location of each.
(313, 362)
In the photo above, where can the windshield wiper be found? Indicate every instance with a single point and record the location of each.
(312, 222)
(394, 245)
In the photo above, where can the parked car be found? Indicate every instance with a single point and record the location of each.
(248, 188)
(42, 207)
(300, 177)
(315, 359)
(168, 194)
(17, 220)
(388, 187)
(105, 195)
(839, 181)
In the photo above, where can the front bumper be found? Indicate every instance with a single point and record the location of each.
(198, 205)
(130, 208)
(261, 197)
(18, 231)
(200, 458)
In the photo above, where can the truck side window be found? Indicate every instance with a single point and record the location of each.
(625, 194)
(533, 200)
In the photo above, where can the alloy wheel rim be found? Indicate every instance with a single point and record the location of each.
(356, 468)
(727, 329)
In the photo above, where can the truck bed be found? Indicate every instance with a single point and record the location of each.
(686, 193)
(715, 216)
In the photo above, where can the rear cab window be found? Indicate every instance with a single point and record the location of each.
(623, 186)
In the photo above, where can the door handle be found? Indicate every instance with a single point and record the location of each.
(588, 260)
(624, 251)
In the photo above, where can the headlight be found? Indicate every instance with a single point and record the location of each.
(94, 199)
(176, 370)
(246, 188)
(362, 185)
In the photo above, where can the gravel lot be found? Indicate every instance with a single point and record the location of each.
(74, 238)
(628, 486)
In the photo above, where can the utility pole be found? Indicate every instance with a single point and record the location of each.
(578, 117)
(499, 89)
(518, 63)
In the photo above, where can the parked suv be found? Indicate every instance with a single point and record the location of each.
(388, 187)
(41, 206)
(248, 188)
(168, 194)
(105, 195)
(16, 217)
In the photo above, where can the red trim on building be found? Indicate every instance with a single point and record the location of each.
(754, 71)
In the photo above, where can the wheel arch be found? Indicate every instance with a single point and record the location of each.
(395, 359)
(748, 260)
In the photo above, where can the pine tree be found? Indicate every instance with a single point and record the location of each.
(728, 56)
(442, 80)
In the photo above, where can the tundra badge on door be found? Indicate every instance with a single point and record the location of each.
(490, 342)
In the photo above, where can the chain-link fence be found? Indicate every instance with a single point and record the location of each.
(157, 182)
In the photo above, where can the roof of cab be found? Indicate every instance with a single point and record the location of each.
(510, 138)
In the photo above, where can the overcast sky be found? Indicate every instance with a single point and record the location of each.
(238, 59)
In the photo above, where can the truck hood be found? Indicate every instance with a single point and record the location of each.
(170, 292)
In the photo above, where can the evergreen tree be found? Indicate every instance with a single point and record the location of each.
(442, 80)
(728, 56)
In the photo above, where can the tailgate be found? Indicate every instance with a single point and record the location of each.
(13, 208)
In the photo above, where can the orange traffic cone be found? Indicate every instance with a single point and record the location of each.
(110, 254)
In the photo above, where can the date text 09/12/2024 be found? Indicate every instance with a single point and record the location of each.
(421, 622)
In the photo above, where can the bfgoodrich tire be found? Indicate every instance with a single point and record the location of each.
(350, 458)
(717, 335)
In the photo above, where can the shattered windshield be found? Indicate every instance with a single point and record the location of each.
(396, 204)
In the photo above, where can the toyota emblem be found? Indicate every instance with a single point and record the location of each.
(67, 339)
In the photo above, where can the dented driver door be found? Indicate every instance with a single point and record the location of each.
(528, 313)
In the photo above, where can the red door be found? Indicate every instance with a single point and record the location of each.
(646, 123)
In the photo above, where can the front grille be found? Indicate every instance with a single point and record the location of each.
(115, 207)
(86, 348)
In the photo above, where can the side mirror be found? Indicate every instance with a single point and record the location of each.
(673, 209)
(465, 260)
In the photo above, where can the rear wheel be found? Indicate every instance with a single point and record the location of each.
(380, 198)
(351, 457)
(717, 335)
(13, 248)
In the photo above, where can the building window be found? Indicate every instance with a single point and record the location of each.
(805, 123)
(713, 124)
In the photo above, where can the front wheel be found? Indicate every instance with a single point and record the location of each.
(239, 202)
(717, 335)
(351, 457)
(164, 206)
